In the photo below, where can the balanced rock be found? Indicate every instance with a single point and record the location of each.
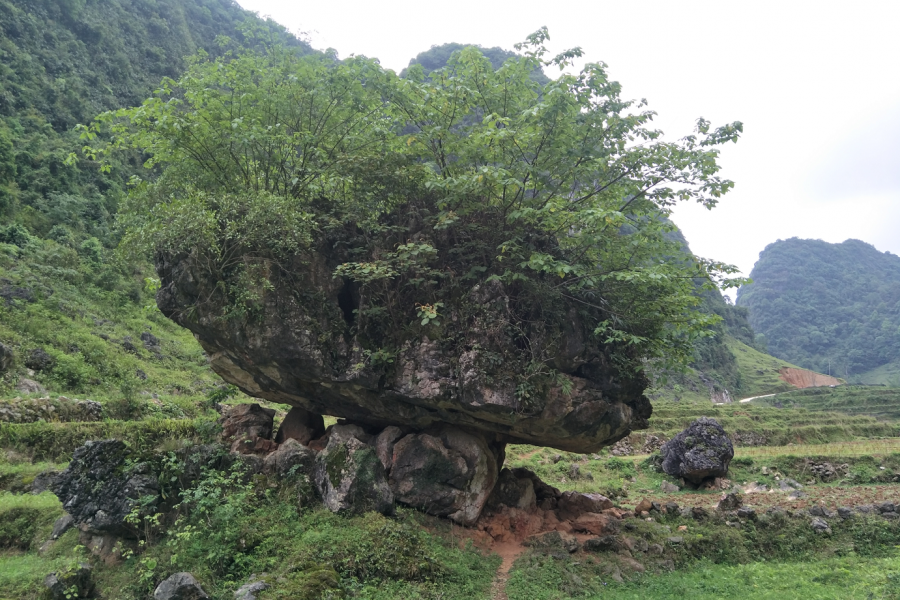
(350, 477)
(446, 472)
(701, 451)
(304, 349)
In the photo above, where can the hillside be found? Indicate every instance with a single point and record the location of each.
(832, 308)
(72, 315)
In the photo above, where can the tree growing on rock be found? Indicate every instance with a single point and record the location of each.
(471, 238)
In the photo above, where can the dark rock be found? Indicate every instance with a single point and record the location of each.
(512, 491)
(885, 507)
(607, 543)
(291, 458)
(300, 425)
(384, 445)
(867, 509)
(62, 584)
(542, 490)
(672, 508)
(655, 549)
(651, 444)
(820, 525)
(128, 346)
(44, 481)
(572, 504)
(304, 353)
(11, 293)
(350, 478)
(139, 373)
(845, 512)
(61, 525)
(99, 489)
(248, 591)
(701, 451)
(446, 472)
(655, 506)
(675, 540)
(732, 501)
(180, 586)
(745, 512)
(151, 342)
(699, 513)
(890, 515)
(27, 386)
(245, 424)
(817, 510)
(6, 357)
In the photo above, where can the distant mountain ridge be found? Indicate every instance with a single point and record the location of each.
(833, 308)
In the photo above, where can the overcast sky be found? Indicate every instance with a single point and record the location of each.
(817, 85)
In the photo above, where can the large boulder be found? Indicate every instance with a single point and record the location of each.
(303, 348)
(350, 477)
(701, 451)
(446, 472)
(100, 488)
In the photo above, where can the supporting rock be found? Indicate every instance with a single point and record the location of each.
(350, 477)
(301, 425)
(448, 472)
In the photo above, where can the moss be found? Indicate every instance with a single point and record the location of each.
(311, 582)
(336, 464)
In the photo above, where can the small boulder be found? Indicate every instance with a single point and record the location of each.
(820, 525)
(596, 524)
(745, 512)
(672, 508)
(732, 501)
(817, 510)
(446, 472)
(61, 525)
(351, 478)
(180, 586)
(553, 540)
(39, 360)
(701, 451)
(845, 512)
(6, 357)
(28, 386)
(572, 504)
(300, 425)
(248, 591)
(62, 584)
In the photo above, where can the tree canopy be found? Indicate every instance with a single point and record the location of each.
(429, 185)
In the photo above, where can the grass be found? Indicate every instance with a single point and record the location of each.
(836, 578)
(887, 374)
(879, 402)
(759, 372)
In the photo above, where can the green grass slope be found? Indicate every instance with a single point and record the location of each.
(880, 402)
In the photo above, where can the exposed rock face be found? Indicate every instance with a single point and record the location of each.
(301, 351)
(180, 586)
(99, 491)
(447, 472)
(350, 477)
(701, 451)
(301, 425)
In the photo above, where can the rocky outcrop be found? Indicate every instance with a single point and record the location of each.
(349, 475)
(99, 489)
(300, 349)
(447, 472)
(702, 451)
(62, 409)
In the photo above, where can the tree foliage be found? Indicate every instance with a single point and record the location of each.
(827, 307)
(429, 185)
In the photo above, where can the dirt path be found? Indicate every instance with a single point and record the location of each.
(509, 552)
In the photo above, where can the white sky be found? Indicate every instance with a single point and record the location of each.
(817, 85)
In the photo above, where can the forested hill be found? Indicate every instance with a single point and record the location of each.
(69, 310)
(826, 307)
